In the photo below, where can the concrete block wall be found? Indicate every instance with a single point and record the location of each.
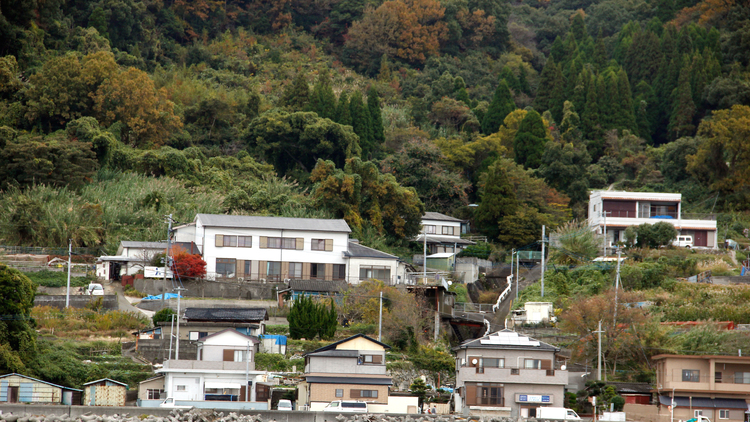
(258, 291)
(109, 302)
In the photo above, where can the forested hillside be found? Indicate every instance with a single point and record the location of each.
(116, 112)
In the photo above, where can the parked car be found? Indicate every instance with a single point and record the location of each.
(284, 405)
(169, 403)
(95, 289)
(556, 414)
(346, 406)
(683, 242)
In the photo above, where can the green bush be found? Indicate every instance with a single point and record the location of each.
(277, 329)
(49, 278)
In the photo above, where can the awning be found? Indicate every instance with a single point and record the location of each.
(223, 384)
(704, 402)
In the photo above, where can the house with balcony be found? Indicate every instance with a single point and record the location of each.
(611, 212)
(443, 233)
(281, 249)
(507, 374)
(717, 387)
(223, 376)
(349, 369)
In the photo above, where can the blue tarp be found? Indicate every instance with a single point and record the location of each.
(668, 217)
(280, 339)
(167, 296)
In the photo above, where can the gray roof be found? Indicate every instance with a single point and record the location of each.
(704, 402)
(38, 380)
(359, 251)
(440, 217)
(333, 345)
(337, 353)
(316, 285)
(274, 223)
(630, 387)
(143, 245)
(521, 342)
(230, 330)
(105, 380)
(348, 380)
(226, 314)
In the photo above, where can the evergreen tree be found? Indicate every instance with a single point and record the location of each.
(600, 53)
(497, 199)
(510, 79)
(546, 86)
(376, 118)
(557, 51)
(459, 91)
(323, 100)
(523, 82)
(384, 74)
(557, 99)
(590, 124)
(502, 104)
(343, 116)
(625, 117)
(578, 28)
(297, 95)
(361, 124)
(683, 110)
(528, 144)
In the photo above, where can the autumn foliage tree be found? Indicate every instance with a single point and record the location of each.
(188, 265)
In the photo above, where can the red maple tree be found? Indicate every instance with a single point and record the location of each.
(188, 265)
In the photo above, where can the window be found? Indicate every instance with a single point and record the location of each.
(239, 355)
(429, 229)
(691, 375)
(717, 376)
(339, 272)
(372, 394)
(532, 364)
(262, 392)
(281, 243)
(742, 377)
(370, 359)
(154, 394)
(295, 270)
(181, 388)
(376, 272)
(244, 241)
(339, 392)
(515, 371)
(448, 230)
(723, 414)
(225, 267)
(317, 270)
(492, 363)
(318, 245)
(697, 413)
(195, 335)
(231, 355)
(488, 393)
(230, 241)
(273, 270)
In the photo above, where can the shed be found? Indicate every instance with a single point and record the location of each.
(17, 388)
(444, 261)
(104, 392)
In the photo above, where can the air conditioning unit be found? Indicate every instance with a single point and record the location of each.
(287, 280)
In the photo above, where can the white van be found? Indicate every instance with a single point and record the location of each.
(284, 405)
(683, 242)
(346, 406)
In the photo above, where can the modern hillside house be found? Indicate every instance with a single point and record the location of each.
(611, 212)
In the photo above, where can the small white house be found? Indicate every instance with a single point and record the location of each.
(443, 233)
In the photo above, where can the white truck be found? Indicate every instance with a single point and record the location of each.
(556, 414)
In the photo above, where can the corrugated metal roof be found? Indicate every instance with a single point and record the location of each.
(333, 345)
(359, 251)
(440, 217)
(274, 223)
(38, 380)
(433, 238)
(226, 314)
(336, 353)
(105, 380)
(316, 285)
(349, 380)
(506, 339)
(147, 245)
(704, 402)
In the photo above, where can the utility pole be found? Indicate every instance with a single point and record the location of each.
(177, 349)
(70, 254)
(424, 263)
(543, 260)
(617, 287)
(604, 214)
(380, 318)
(517, 270)
(512, 257)
(166, 259)
(599, 354)
(247, 371)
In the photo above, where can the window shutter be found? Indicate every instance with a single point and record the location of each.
(306, 270)
(262, 268)
(263, 242)
(355, 394)
(285, 270)
(377, 359)
(243, 388)
(228, 355)
(240, 268)
(471, 360)
(546, 364)
(471, 394)
(329, 271)
(300, 243)
(329, 245)
(219, 240)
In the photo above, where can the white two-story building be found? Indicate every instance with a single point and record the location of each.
(280, 249)
(611, 212)
(443, 233)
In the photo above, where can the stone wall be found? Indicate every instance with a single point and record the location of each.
(157, 351)
(264, 291)
(109, 302)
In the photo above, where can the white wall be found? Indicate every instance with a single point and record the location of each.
(355, 264)
(213, 347)
(439, 223)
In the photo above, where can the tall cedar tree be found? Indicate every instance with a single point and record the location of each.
(546, 85)
(376, 119)
(510, 79)
(297, 95)
(323, 100)
(625, 118)
(683, 110)
(528, 144)
(343, 117)
(557, 99)
(459, 91)
(362, 124)
(502, 104)
(308, 319)
(497, 201)
(590, 123)
(523, 81)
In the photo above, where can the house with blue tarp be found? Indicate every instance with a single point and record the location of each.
(17, 388)
(273, 343)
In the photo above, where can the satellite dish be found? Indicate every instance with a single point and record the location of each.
(474, 361)
(450, 283)
(562, 368)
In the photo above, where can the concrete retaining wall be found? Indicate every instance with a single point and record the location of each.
(109, 302)
(157, 351)
(264, 291)
(730, 279)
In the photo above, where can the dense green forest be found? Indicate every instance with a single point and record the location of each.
(116, 112)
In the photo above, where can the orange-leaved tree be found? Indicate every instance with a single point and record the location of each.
(188, 265)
